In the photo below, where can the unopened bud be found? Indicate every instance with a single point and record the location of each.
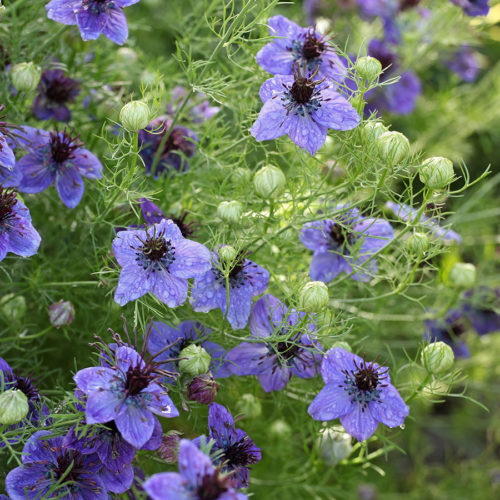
(462, 275)
(334, 444)
(394, 146)
(438, 357)
(242, 176)
(368, 68)
(203, 389)
(227, 254)
(437, 173)
(13, 307)
(373, 130)
(417, 243)
(230, 211)
(13, 406)
(61, 313)
(249, 405)
(25, 76)
(135, 116)
(269, 181)
(313, 297)
(169, 448)
(280, 429)
(195, 360)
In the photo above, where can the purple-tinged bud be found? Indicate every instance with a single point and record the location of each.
(203, 389)
(61, 313)
(169, 447)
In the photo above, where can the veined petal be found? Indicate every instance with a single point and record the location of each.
(87, 164)
(167, 486)
(306, 133)
(36, 177)
(115, 27)
(336, 112)
(391, 410)
(63, 11)
(69, 186)
(95, 379)
(104, 405)
(327, 266)
(191, 259)
(136, 425)
(134, 282)
(169, 289)
(359, 422)
(272, 121)
(330, 403)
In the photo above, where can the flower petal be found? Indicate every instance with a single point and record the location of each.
(306, 133)
(169, 289)
(87, 164)
(104, 405)
(330, 403)
(272, 121)
(133, 283)
(391, 410)
(191, 259)
(359, 423)
(327, 266)
(136, 425)
(115, 27)
(69, 186)
(36, 177)
(167, 486)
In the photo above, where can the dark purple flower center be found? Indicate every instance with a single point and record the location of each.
(237, 275)
(156, 253)
(24, 385)
(408, 4)
(340, 235)
(213, 485)
(138, 378)
(7, 201)
(302, 90)
(69, 465)
(187, 228)
(62, 146)
(313, 46)
(241, 453)
(367, 377)
(287, 350)
(61, 89)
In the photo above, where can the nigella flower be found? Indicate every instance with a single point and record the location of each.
(464, 63)
(171, 341)
(236, 451)
(127, 392)
(47, 463)
(17, 234)
(178, 147)
(299, 46)
(93, 17)
(157, 260)
(359, 393)
(213, 290)
(473, 7)
(201, 111)
(55, 91)
(198, 479)
(283, 345)
(345, 244)
(304, 109)
(56, 157)
(7, 158)
(449, 330)
(481, 306)
(410, 214)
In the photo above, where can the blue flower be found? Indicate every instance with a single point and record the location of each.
(17, 234)
(284, 345)
(7, 158)
(299, 46)
(449, 330)
(128, 393)
(245, 280)
(158, 260)
(93, 17)
(345, 244)
(473, 7)
(464, 62)
(359, 393)
(56, 157)
(198, 478)
(481, 306)
(302, 108)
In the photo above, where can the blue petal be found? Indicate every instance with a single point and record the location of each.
(330, 403)
(358, 423)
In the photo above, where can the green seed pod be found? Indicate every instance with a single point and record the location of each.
(334, 444)
(230, 211)
(394, 147)
(280, 429)
(438, 357)
(436, 173)
(196, 360)
(13, 307)
(13, 406)
(249, 406)
(417, 243)
(135, 115)
(368, 68)
(25, 76)
(373, 130)
(227, 254)
(462, 275)
(269, 182)
(313, 297)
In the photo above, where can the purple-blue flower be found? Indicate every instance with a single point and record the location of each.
(464, 63)
(283, 344)
(299, 46)
(55, 91)
(187, 333)
(473, 7)
(359, 393)
(198, 479)
(7, 158)
(410, 214)
(213, 290)
(303, 109)
(158, 260)
(235, 448)
(56, 157)
(449, 330)
(129, 393)
(481, 307)
(17, 234)
(93, 17)
(46, 462)
(345, 244)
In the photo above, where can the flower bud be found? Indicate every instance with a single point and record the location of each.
(394, 146)
(169, 447)
(438, 357)
(269, 182)
(203, 389)
(61, 313)
(13, 307)
(13, 406)
(242, 176)
(417, 243)
(462, 275)
(313, 297)
(2, 11)
(227, 254)
(334, 444)
(127, 55)
(249, 405)
(373, 130)
(230, 211)
(195, 360)
(134, 116)
(25, 76)
(368, 68)
(280, 429)
(436, 173)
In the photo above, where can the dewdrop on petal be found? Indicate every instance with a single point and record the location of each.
(13, 406)
(61, 313)
(436, 173)
(373, 130)
(417, 243)
(269, 181)
(227, 254)
(368, 68)
(313, 297)
(438, 357)
(394, 146)
(249, 406)
(462, 275)
(195, 360)
(135, 116)
(334, 444)
(25, 76)
(230, 211)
